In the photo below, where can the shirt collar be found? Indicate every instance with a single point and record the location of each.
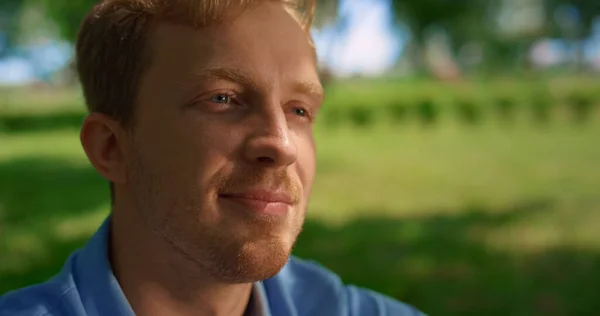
(258, 305)
(101, 293)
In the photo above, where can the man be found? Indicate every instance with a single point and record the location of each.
(201, 117)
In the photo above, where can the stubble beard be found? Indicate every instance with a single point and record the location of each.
(216, 252)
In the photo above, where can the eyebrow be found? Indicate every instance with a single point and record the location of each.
(310, 88)
(228, 74)
(236, 76)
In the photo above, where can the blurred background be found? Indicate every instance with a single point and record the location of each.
(459, 151)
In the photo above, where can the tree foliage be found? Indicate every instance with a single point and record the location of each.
(421, 15)
(68, 14)
(463, 21)
(9, 13)
(326, 13)
(582, 12)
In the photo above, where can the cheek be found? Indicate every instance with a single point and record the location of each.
(199, 151)
(173, 151)
(306, 163)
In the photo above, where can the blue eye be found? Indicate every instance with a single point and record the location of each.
(221, 98)
(300, 112)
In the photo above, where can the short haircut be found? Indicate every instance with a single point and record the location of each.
(112, 50)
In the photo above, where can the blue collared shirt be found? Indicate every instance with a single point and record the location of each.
(87, 286)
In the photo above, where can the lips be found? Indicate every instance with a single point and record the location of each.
(262, 201)
(262, 196)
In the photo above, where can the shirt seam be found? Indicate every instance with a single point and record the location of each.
(56, 306)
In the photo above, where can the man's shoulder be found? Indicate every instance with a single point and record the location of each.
(50, 298)
(315, 290)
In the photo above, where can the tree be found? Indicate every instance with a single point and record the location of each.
(10, 10)
(68, 14)
(573, 21)
(460, 20)
(326, 13)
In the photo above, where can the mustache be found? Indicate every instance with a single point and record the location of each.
(240, 181)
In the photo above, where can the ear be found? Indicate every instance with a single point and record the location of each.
(102, 139)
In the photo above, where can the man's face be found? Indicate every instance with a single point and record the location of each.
(222, 157)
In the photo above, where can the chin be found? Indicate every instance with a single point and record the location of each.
(237, 249)
(256, 261)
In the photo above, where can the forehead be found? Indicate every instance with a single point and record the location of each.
(264, 41)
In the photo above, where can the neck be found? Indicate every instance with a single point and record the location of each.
(157, 280)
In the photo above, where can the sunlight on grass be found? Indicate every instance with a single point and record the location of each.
(40, 101)
(82, 226)
(23, 248)
(64, 145)
(26, 245)
(448, 169)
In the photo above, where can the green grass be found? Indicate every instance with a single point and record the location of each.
(485, 219)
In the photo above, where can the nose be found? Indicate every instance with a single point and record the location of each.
(270, 143)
